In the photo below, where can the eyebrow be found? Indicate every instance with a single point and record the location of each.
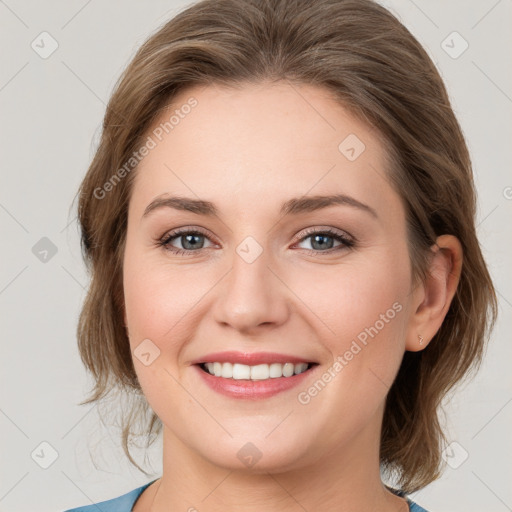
(293, 206)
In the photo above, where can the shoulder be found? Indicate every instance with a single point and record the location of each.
(414, 507)
(122, 503)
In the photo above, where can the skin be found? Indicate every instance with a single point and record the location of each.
(237, 146)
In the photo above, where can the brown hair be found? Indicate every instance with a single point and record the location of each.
(374, 66)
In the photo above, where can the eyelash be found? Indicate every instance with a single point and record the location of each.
(346, 242)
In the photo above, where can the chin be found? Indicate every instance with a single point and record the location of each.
(257, 454)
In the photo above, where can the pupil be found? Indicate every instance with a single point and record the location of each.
(187, 238)
(322, 245)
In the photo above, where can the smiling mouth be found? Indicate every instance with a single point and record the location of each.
(237, 371)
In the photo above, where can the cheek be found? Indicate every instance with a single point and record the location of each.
(349, 298)
(162, 300)
(366, 314)
(360, 314)
(154, 305)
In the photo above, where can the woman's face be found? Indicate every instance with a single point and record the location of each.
(275, 270)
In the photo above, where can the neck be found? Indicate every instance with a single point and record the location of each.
(341, 480)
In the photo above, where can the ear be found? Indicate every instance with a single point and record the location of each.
(432, 298)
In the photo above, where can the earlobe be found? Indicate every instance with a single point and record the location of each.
(437, 292)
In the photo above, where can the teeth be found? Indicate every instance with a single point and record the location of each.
(259, 372)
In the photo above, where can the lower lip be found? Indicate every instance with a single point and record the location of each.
(255, 389)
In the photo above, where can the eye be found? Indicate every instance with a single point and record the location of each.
(190, 241)
(322, 240)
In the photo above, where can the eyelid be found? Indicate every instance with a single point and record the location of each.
(298, 238)
(346, 240)
(324, 230)
(175, 233)
(186, 229)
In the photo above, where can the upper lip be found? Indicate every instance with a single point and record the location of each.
(250, 358)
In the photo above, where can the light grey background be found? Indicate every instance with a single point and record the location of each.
(51, 112)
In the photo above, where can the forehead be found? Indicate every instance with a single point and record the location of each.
(261, 141)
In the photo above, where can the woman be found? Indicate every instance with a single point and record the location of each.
(280, 226)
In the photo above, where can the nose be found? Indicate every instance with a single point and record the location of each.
(252, 296)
